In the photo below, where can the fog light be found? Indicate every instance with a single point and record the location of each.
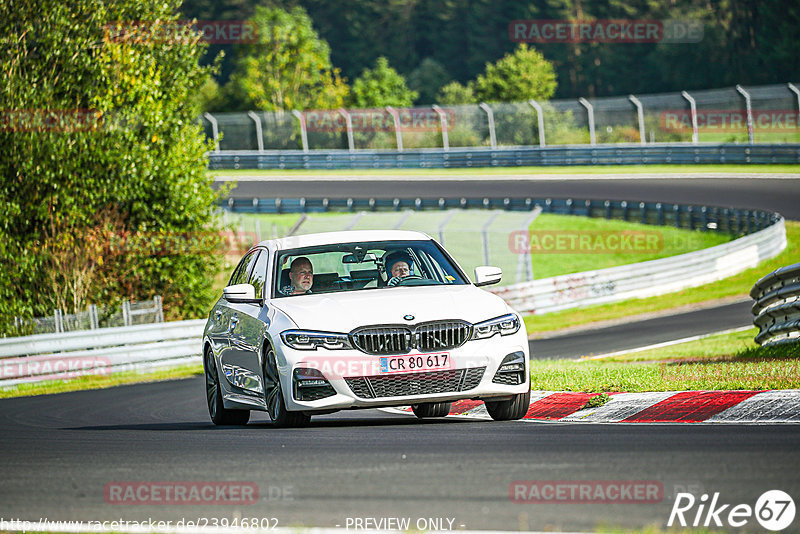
(511, 371)
(310, 384)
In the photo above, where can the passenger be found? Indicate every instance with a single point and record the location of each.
(399, 265)
(301, 277)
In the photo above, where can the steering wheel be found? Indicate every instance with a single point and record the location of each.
(397, 281)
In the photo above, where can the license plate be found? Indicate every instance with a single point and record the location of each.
(412, 363)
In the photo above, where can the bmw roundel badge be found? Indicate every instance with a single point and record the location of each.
(408, 317)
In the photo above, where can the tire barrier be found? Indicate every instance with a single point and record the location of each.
(776, 308)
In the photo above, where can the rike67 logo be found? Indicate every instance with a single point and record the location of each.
(774, 510)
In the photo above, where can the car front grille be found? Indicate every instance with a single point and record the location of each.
(450, 381)
(383, 340)
(425, 337)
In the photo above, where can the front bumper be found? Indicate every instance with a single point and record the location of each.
(353, 379)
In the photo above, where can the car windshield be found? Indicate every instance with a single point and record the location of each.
(360, 266)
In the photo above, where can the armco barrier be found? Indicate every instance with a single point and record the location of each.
(661, 153)
(777, 306)
(101, 351)
(646, 279)
(692, 217)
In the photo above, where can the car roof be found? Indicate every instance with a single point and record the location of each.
(352, 236)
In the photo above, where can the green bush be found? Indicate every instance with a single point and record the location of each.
(100, 148)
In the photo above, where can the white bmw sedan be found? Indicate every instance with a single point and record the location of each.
(366, 319)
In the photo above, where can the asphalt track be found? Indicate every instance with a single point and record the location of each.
(59, 453)
(777, 194)
(634, 334)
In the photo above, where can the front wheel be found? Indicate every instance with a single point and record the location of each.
(276, 406)
(219, 414)
(508, 410)
(431, 409)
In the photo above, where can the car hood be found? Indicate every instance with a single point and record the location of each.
(342, 312)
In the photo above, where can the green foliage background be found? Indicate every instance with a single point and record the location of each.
(110, 198)
(744, 41)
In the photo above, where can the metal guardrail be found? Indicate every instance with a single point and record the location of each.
(777, 306)
(617, 154)
(71, 354)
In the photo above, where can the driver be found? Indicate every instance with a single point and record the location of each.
(399, 265)
(301, 277)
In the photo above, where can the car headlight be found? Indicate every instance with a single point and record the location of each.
(504, 325)
(310, 340)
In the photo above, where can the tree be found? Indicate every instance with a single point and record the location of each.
(517, 77)
(381, 86)
(288, 67)
(427, 79)
(98, 146)
(454, 93)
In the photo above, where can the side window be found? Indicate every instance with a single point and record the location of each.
(259, 275)
(240, 275)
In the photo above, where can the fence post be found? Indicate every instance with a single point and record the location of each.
(159, 309)
(490, 118)
(749, 110)
(259, 136)
(539, 118)
(793, 88)
(485, 237)
(640, 113)
(303, 130)
(94, 322)
(590, 110)
(397, 133)
(349, 126)
(214, 129)
(443, 223)
(126, 313)
(693, 111)
(443, 120)
(58, 320)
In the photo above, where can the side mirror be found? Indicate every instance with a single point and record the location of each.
(244, 293)
(486, 275)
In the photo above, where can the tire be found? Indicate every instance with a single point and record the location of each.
(273, 395)
(216, 409)
(511, 409)
(431, 409)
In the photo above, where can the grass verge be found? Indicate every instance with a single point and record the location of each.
(722, 362)
(576, 169)
(603, 251)
(737, 285)
(100, 382)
